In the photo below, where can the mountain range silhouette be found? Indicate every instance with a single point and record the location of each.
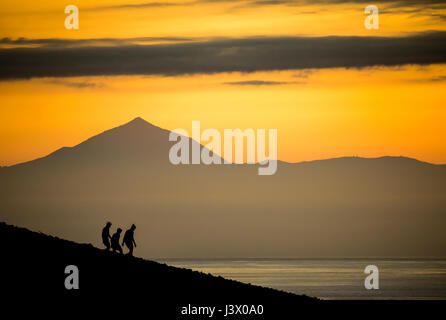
(343, 207)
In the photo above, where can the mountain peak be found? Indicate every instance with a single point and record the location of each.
(138, 120)
(137, 123)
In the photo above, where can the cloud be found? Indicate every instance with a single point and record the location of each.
(303, 74)
(66, 43)
(427, 8)
(392, 3)
(224, 55)
(400, 3)
(438, 16)
(438, 79)
(256, 83)
(423, 4)
(140, 5)
(433, 79)
(76, 84)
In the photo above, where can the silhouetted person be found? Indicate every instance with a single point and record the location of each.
(106, 236)
(115, 241)
(129, 240)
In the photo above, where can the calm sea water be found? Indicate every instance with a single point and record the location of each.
(333, 279)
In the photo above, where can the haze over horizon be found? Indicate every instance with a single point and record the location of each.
(390, 206)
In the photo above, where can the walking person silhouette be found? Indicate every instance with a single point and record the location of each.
(106, 236)
(129, 239)
(115, 241)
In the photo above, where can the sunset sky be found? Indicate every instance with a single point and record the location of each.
(229, 64)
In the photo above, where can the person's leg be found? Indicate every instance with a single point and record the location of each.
(130, 247)
(120, 249)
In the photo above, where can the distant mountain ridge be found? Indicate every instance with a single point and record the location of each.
(139, 126)
(387, 206)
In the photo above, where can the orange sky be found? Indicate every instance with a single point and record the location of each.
(318, 113)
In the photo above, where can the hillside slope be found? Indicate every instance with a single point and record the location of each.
(32, 276)
(33, 266)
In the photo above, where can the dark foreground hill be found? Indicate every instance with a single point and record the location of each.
(32, 275)
(33, 269)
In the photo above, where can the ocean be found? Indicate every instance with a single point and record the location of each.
(332, 278)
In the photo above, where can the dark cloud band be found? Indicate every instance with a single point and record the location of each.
(254, 3)
(223, 55)
(57, 42)
(256, 83)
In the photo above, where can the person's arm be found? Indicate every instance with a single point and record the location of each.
(134, 242)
